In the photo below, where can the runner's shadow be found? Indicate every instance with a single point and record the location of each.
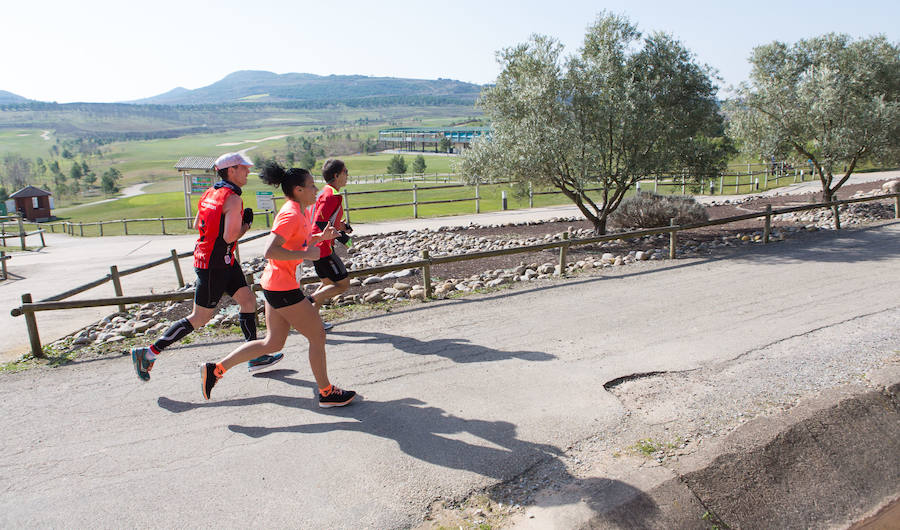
(310, 403)
(457, 350)
(429, 434)
(488, 448)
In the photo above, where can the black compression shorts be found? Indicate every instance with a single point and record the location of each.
(331, 267)
(279, 299)
(212, 283)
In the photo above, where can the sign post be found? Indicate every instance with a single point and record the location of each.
(194, 185)
(187, 200)
(265, 200)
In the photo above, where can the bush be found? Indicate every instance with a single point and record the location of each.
(649, 210)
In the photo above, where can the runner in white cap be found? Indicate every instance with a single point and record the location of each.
(221, 220)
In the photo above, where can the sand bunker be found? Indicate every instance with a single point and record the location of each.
(230, 144)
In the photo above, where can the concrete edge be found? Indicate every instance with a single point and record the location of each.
(828, 462)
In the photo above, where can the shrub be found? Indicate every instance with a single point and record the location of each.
(649, 210)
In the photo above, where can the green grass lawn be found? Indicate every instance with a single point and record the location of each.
(166, 199)
(26, 142)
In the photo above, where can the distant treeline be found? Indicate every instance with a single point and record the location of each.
(107, 122)
(137, 109)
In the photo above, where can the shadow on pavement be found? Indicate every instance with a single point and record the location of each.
(457, 350)
(284, 376)
(849, 245)
(432, 435)
(425, 433)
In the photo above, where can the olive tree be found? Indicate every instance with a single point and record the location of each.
(621, 109)
(830, 102)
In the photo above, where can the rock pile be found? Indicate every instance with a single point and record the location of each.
(850, 214)
(401, 247)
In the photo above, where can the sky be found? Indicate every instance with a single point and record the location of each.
(108, 51)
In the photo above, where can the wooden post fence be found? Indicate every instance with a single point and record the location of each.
(31, 324)
(768, 227)
(426, 274)
(415, 201)
(22, 232)
(563, 251)
(177, 268)
(117, 284)
(673, 239)
(28, 308)
(477, 199)
(346, 205)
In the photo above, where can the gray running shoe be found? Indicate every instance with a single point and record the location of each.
(264, 361)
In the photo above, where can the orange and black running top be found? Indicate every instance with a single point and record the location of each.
(211, 250)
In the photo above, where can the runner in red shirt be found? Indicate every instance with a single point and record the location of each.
(329, 210)
(291, 241)
(221, 220)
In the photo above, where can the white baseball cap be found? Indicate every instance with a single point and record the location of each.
(232, 159)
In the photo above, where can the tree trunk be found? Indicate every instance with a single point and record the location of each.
(600, 225)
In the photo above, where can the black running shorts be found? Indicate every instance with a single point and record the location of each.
(331, 267)
(279, 299)
(212, 283)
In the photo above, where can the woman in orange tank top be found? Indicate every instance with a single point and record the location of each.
(290, 242)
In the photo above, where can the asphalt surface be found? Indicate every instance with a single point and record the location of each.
(457, 395)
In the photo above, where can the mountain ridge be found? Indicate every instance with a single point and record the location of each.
(268, 87)
(261, 86)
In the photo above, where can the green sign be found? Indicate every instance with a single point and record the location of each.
(200, 183)
(265, 200)
(3, 208)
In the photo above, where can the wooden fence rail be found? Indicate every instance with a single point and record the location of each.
(29, 308)
(713, 185)
(20, 232)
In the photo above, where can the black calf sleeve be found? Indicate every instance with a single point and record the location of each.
(176, 332)
(248, 325)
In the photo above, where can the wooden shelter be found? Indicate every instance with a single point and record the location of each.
(33, 203)
(198, 174)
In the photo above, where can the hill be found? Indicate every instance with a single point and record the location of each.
(267, 87)
(247, 100)
(8, 98)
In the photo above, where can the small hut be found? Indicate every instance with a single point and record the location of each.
(33, 203)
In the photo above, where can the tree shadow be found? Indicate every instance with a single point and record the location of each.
(848, 245)
(457, 350)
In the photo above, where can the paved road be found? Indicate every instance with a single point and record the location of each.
(457, 394)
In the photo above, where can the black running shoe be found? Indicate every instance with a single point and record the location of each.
(209, 378)
(337, 397)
